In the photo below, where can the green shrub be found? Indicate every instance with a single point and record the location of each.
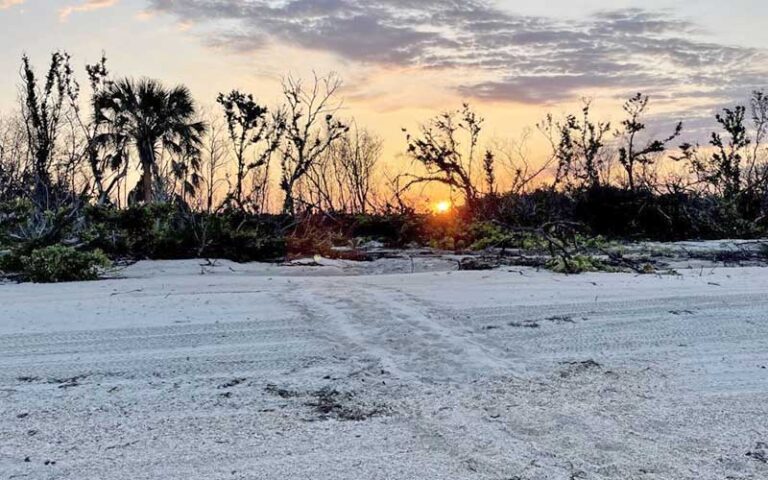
(392, 229)
(166, 231)
(578, 264)
(487, 235)
(10, 261)
(58, 263)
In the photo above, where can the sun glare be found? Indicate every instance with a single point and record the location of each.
(442, 207)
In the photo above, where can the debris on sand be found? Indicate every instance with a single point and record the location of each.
(478, 264)
(560, 319)
(232, 383)
(61, 382)
(525, 324)
(330, 403)
(556, 319)
(281, 392)
(587, 364)
(760, 452)
(68, 382)
(573, 368)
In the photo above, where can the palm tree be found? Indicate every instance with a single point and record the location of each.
(145, 115)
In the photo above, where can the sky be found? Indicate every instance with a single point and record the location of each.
(405, 60)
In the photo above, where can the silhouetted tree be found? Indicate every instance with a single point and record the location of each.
(149, 117)
(441, 151)
(721, 170)
(490, 173)
(756, 169)
(631, 155)
(213, 157)
(181, 176)
(311, 130)
(14, 157)
(358, 156)
(578, 148)
(342, 179)
(250, 126)
(736, 162)
(43, 107)
(514, 158)
(106, 162)
(727, 158)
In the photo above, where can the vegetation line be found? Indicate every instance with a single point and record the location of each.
(134, 169)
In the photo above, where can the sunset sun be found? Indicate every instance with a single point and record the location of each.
(443, 207)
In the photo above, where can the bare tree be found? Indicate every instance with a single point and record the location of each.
(108, 161)
(255, 136)
(311, 130)
(43, 107)
(359, 154)
(512, 157)
(14, 157)
(394, 197)
(440, 149)
(736, 163)
(214, 161)
(756, 161)
(342, 180)
(579, 148)
(322, 187)
(631, 155)
(721, 170)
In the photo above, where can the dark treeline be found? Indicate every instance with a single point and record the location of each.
(136, 169)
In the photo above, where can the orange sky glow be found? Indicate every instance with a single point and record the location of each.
(403, 63)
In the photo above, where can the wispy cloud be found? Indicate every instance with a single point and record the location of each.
(85, 6)
(10, 3)
(519, 58)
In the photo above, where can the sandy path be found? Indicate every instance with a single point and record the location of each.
(256, 372)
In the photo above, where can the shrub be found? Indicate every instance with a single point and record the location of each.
(58, 263)
(487, 235)
(12, 214)
(578, 264)
(10, 261)
(165, 231)
(395, 230)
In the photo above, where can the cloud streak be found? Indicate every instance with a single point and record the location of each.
(86, 6)
(520, 58)
(5, 4)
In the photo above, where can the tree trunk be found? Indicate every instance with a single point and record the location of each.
(288, 203)
(147, 163)
(146, 183)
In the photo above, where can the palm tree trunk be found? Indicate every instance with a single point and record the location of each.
(147, 155)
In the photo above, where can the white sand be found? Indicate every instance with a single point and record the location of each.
(173, 374)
